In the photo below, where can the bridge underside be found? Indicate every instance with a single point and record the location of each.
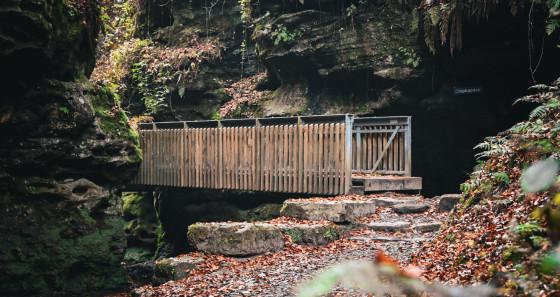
(329, 155)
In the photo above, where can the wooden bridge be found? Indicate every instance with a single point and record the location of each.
(333, 154)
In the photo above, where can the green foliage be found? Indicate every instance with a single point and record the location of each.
(152, 86)
(160, 241)
(64, 110)
(295, 234)
(410, 57)
(493, 146)
(502, 177)
(281, 34)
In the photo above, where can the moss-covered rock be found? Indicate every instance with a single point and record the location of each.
(141, 226)
(235, 239)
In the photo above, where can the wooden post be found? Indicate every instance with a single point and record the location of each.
(349, 120)
(408, 147)
(358, 149)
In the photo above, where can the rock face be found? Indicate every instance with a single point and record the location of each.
(338, 212)
(235, 239)
(63, 157)
(326, 57)
(447, 202)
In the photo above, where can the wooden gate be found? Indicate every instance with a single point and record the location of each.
(381, 145)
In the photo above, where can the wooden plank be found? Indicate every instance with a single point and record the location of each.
(379, 149)
(315, 159)
(256, 154)
(348, 153)
(401, 151)
(227, 156)
(295, 159)
(306, 159)
(175, 151)
(260, 174)
(237, 157)
(286, 167)
(244, 156)
(338, 158)
(292, 149)
(320, 159)
(156, 159)
(326, 158)
(217, 154)
(192, 153)
(267, 159)
(390, 154)
(253, 139)
(277, 154)
(314, 153)
(280, 163)
(182, 158)
(301, 156)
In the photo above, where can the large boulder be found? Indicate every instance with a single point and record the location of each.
(235, 239)
(338, 212)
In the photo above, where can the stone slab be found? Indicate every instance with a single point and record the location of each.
(173, 269)
(427, 227)
(388, 201)
(399, 226)
(409, 208)
(337, 212)
(376, 184)
(235, 239)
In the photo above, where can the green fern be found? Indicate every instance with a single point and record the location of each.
(539, 112)
(502, 177)
(519, 128)
(493, 146)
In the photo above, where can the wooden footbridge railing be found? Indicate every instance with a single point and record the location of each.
(307, 154)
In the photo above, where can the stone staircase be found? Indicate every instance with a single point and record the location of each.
(318, 221)
(381, 218)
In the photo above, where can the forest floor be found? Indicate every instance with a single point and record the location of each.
(279, 274)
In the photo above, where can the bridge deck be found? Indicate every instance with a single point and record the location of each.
(308, 154)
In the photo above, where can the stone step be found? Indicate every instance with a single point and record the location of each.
(334, 211)
(235, 239)
(173, 269)
(310, 235)
(402, 226)
(427, 227)
(410, 208)
(382, 238)
(398, 226)
(390, 201)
